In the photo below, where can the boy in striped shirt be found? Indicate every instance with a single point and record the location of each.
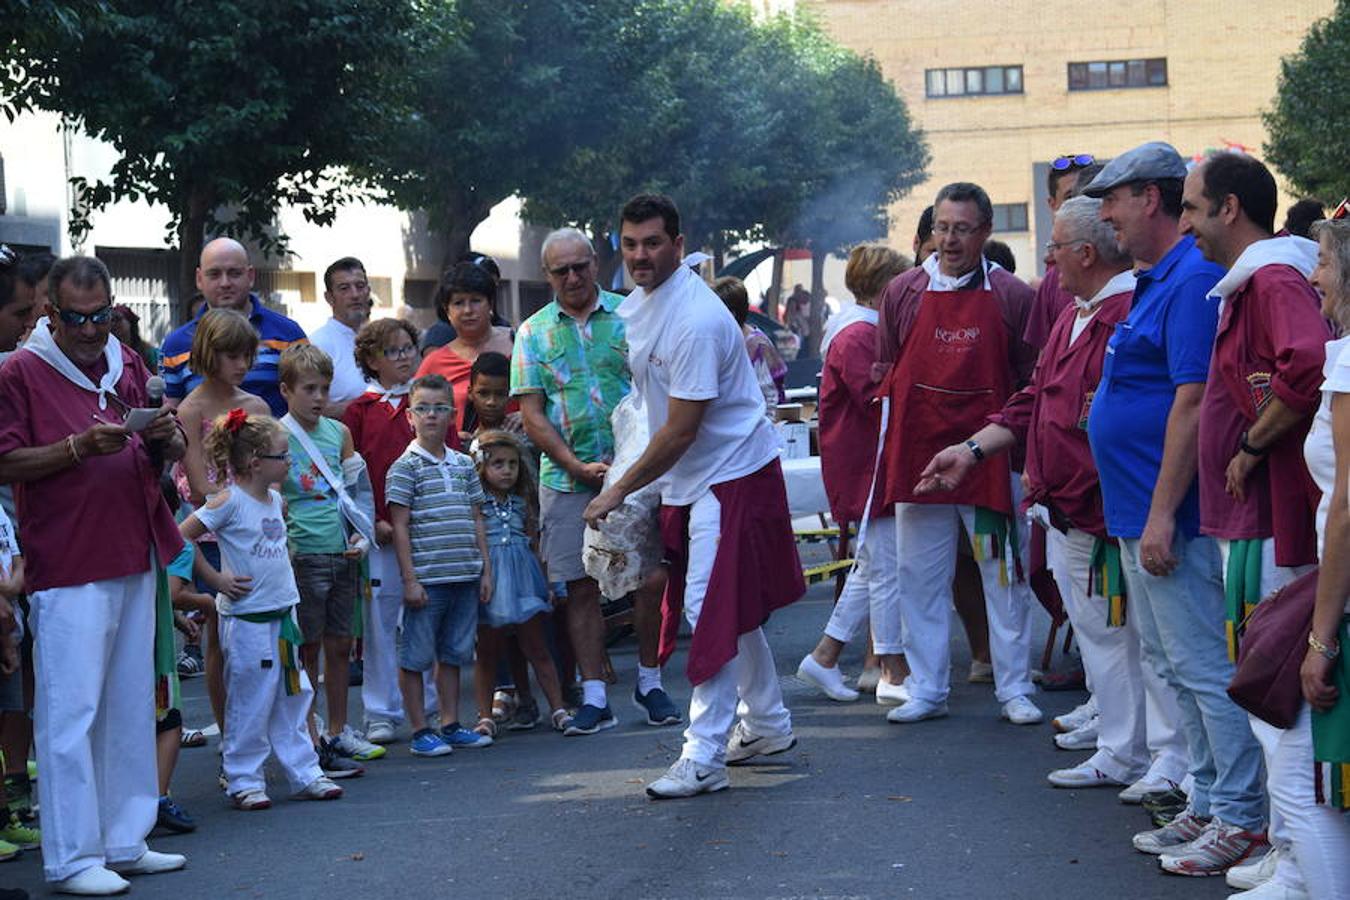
(435, 501)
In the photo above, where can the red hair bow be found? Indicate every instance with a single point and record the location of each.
(235, 420)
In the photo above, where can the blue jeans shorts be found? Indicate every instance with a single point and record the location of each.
(443, 630)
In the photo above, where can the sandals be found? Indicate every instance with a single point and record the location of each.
(192, 737)
(251, 800)
(561, 719)
(486, 727)
(504, 704)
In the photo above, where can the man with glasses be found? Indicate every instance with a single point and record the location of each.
(94, 527)
(569, 370)
(225, 279)
(1063, 180)
(347, 291)
(950, 340)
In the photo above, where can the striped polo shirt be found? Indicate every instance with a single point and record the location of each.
(275, 332)
(441, 496)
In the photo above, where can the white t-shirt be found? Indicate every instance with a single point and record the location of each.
(252, 539)
(1318, 449)
(339, 342)
(697, 353)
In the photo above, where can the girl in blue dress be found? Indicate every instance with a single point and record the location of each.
(519, 591)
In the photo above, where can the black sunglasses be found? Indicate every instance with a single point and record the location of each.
(575, 268)
(1082, 160)
(101, 316)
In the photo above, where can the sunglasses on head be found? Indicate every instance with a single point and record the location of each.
(7, 256)
(1082, 160)
(1342, 211)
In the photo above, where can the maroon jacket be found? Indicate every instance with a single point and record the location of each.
(1049, 416)
(1045, 308)
(1271, 342)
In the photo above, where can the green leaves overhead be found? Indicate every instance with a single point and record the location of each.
(1311, 116)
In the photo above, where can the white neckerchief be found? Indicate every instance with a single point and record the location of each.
(442, 465)
(1119, 284)
(43, 345)
(847, 316)
(937, 281)
(1300, 253)
(646, 316)
(389, 395)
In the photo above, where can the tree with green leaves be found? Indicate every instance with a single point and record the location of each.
(1311, 116)
(223, 112)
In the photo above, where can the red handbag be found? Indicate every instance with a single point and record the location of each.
(1274, 643)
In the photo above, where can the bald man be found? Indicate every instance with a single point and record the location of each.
(225, 278)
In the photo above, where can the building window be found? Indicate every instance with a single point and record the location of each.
(1010, 217)
(1109, 75)
(967, 82)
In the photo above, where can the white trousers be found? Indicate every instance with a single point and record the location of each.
(1285, 798)
(380, 695)
(1320, 835)
(871, 591)
(748, 684)
(260, 717)
(94, 722)
(1110, 660)
(926, 539)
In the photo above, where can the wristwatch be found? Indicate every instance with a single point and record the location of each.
(1249, 449)
(975, 450)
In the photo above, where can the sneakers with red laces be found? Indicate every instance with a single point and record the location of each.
(1181, 830)
(1213, 852)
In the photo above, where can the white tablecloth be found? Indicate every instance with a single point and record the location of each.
(805, 489)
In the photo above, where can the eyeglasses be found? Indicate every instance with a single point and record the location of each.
(960, 229)
(279, 457)
(1052, 246)
(403, 352)
(426, 409)
(1060, 163)
(575, 268)
(101, 316)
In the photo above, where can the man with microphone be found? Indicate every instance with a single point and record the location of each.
(94, 527)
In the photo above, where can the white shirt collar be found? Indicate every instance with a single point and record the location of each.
(1119, 284)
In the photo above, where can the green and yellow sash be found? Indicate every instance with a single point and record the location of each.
(1106, 579)
(1242, 588)
(288, 644)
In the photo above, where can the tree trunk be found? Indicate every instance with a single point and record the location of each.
(817, 303)
(191, 238)
(771, 303)
(464, 213)
(607, 260)
(719, 251)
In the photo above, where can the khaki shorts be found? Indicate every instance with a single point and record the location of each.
(328, 583)
(560, 532)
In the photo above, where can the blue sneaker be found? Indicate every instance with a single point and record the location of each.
(590, 719)
(428, 743)
(659, 708)
(461, 737)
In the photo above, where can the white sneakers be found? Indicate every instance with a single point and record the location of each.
(688, 779)
(1076, 718)
(150, 863)
(744, 746)
(1083, 775)
(1149, 784)
(1255, 872)
(830, 681)
(916, 710)
(1271, 890)
(1084, 738)
(95, 881)
(379, 731)
(891, 694)
(1021, 711)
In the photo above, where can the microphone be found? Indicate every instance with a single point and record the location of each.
(154, 391)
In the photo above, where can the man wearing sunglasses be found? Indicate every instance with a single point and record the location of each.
(94, 527)
(225, 278)
(1062, 181)
(569, 371)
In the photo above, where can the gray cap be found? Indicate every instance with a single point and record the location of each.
(1154, 161)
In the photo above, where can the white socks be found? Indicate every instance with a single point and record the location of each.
(593, 693)
(648, 679)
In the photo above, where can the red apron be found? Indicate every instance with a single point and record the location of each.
(952, 373)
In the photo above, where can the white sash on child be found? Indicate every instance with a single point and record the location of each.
(355, 516)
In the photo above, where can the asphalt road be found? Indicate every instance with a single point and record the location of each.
(954, 808)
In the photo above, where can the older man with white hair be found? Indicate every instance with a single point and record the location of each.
(1049, 416)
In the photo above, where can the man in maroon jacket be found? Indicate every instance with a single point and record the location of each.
(1048, 417)
(1256, 496)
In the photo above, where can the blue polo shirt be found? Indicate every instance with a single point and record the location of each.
(1164, 343)
(275, 332)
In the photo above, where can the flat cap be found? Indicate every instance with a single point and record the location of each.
(1154, 161)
